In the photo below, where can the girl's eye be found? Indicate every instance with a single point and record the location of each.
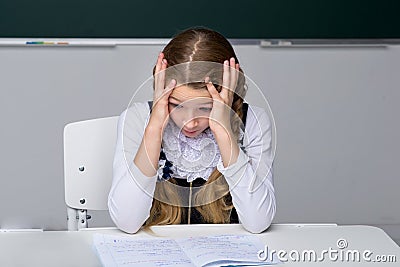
(206, 109)
(176, 105)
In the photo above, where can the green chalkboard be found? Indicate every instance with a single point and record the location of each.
(303, 19)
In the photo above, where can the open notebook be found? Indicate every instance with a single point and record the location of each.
(207, 251)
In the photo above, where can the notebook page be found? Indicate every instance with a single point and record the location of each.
(139, 252)
(223, 250)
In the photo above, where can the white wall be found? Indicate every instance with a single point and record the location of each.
(335, 111)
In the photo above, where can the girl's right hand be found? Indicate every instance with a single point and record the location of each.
(160, 112)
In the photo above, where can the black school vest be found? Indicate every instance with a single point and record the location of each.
(191, 215)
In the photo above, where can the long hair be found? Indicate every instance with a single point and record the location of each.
(192, 45)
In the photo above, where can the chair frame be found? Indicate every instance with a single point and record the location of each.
(89, 148)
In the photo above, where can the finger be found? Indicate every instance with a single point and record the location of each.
(160, 82)
(167, 91)
(226, 74)
(156, 74)
(225, 80)
(170, 87)
(159, 59)
(211, 89)
(237, 69)
(233, 75)
(237, 73)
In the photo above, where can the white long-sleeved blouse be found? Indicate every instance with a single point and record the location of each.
(250, 178)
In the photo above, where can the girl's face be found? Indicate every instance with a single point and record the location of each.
(189, 109)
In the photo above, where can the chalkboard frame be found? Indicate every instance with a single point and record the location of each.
(251, 19)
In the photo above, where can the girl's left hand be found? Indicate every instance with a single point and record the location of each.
(220, 115)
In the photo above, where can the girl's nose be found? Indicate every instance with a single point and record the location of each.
(191, 124)
(189, 118)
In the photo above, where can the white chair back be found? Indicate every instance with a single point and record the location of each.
(89, 148)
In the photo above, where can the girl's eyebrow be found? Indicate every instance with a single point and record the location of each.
(205, 103)
(175, 98)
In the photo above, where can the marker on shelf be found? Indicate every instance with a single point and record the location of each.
(46, 43)
(59, 43)
(34, 43)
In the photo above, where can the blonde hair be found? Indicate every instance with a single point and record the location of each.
(200, 44)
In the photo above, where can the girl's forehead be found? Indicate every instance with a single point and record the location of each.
(184, 93)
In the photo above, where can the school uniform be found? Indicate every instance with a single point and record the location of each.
(250, 178)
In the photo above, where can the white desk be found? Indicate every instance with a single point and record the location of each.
(61, 248)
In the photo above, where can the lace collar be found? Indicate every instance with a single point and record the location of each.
(186, 157)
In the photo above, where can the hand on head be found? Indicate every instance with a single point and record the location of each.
(159, 115)
(219, 121)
